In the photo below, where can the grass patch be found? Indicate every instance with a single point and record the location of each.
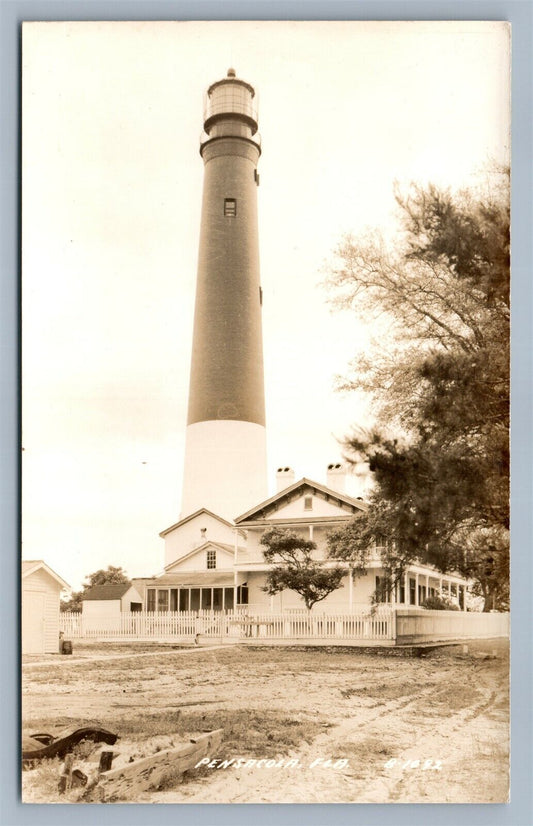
(451, 698)
(246, 732)
(372, 750)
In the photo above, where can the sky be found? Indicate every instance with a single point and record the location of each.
(111, 201)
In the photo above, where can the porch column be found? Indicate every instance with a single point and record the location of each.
(235, 581)
(464, 597)
(417, 602)
(440, 587)
(350, 589)
(427, 586)
(407, 593)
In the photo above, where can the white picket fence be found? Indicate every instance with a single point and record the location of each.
(384, 625)
(230, 626)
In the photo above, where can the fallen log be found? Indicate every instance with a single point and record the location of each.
(34, 747)
(150, 772)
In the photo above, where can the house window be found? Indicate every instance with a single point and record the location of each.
(162, 600)
(383, 591)
(230, 207)
(242, 594)
(211, 558)
(184, 599)
(308, 503)
(150, 599)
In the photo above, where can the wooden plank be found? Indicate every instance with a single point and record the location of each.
(106, 759)
(66, 774)
(150, 772)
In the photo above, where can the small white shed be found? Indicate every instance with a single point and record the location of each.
(103, 605)
(41, 589)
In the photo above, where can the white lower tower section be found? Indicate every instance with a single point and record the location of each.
(225, 463)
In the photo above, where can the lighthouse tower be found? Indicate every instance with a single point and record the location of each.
(225, 451)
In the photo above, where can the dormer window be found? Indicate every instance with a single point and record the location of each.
(308, 503)
(211, 558)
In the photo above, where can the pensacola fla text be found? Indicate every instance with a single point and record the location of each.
(270, 763)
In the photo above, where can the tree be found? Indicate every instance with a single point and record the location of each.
(109, 576)
(296, 569)
(438, 380)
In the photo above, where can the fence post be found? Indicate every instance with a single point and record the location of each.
(393, 625)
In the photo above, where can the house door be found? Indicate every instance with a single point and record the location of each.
(33, 622)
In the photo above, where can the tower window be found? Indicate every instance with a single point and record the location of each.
(230, 207)
(211, 558)
(308, 503)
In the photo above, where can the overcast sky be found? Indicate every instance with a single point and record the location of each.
(112, 179)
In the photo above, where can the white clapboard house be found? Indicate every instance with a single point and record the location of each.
(214, 564)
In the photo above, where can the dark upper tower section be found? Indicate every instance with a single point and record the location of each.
(227, 359)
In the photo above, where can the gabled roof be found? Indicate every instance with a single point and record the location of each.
(29, 566)
(276, 501)
(203, 547)
(107, 591)
(193, 516)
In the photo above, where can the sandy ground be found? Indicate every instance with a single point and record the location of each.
(396, 729)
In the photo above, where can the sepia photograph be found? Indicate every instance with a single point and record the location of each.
(265, 412)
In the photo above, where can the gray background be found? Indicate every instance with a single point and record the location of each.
(520, 13)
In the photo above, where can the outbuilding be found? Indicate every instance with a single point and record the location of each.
(41, 589)
(103, 605)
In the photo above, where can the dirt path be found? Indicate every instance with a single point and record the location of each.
(69, 660)
(433, 729)
(444, 749)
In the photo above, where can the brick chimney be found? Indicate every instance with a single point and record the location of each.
(284, 478)
(336, 477)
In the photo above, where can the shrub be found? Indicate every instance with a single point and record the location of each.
(436, 603)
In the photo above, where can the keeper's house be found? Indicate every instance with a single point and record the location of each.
(41, 590)
(213, 564)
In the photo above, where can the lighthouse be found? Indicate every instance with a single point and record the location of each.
(225, 449)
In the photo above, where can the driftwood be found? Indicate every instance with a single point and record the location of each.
(150, 772)
(40, 745)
